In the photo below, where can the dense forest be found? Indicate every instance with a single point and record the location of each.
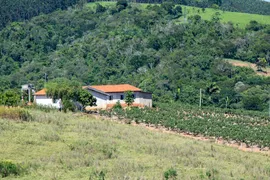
(20, 10)
(17, 10)
(146, 47)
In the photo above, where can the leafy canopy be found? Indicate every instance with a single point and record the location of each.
(68, 91)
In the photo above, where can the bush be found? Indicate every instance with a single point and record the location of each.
(10, 98)
(117, 105)
(99, 175)
(8, 168)
(68, 106)
(15, 113)
(170, 174)
(100, 8)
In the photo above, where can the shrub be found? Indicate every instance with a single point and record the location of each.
(43, 108)
(170, 174)
(98, 175)
(100, 8)
(8, 168)
(24, 115)
(68, 106)
(117, 105)
(10, 98)
(15, 113)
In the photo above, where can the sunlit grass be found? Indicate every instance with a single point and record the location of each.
(71, 146)
(239, 19)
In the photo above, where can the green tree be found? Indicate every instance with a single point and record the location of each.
(129, 99)
(86, 98)
(62, 88)
(100, 8)
(70, 92)
(211, 90)
(10, 98)
(261, 63)
(255, 98)
(121, 5)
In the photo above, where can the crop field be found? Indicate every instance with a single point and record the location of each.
(55, 145)
(239, 19)
(238, 128)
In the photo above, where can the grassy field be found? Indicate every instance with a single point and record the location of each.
(71, 146)
(239, 19)
(249, 65)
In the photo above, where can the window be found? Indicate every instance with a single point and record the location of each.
(133, 96)
(121, 97)
(110, 97)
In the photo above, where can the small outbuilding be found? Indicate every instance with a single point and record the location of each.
(108, 95)
(40, 98)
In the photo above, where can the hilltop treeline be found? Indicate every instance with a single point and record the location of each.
(149, 48)
(246, 6)
(20, 10)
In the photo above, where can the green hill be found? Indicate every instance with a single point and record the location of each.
(70, 146)
(151, 47)
(237, 18)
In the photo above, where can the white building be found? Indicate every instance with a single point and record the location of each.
(42, 99)
(107, 96)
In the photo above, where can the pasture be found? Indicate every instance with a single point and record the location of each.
(55, 145)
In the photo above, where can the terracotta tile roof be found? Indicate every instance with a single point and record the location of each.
(116, 88)
(42, 92)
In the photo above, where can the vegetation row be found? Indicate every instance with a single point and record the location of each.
(239, 128)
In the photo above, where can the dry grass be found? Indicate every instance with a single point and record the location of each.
(249, 65)
(14, 113)
(70, 146)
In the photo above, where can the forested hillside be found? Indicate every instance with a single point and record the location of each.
(146, 47)
(18, 10)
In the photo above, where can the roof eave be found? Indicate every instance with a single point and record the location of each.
(93, 89)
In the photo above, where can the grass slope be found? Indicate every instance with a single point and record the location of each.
(249, 65)
(66, 146)
(239, 19)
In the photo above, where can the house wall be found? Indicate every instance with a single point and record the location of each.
(140, 98)
(143, 98)
(46, 101)
(101, 99)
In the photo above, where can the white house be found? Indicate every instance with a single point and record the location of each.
(42, 99)
(107, 96)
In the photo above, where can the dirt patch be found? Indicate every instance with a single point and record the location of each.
(240, 146)
(249, 65)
